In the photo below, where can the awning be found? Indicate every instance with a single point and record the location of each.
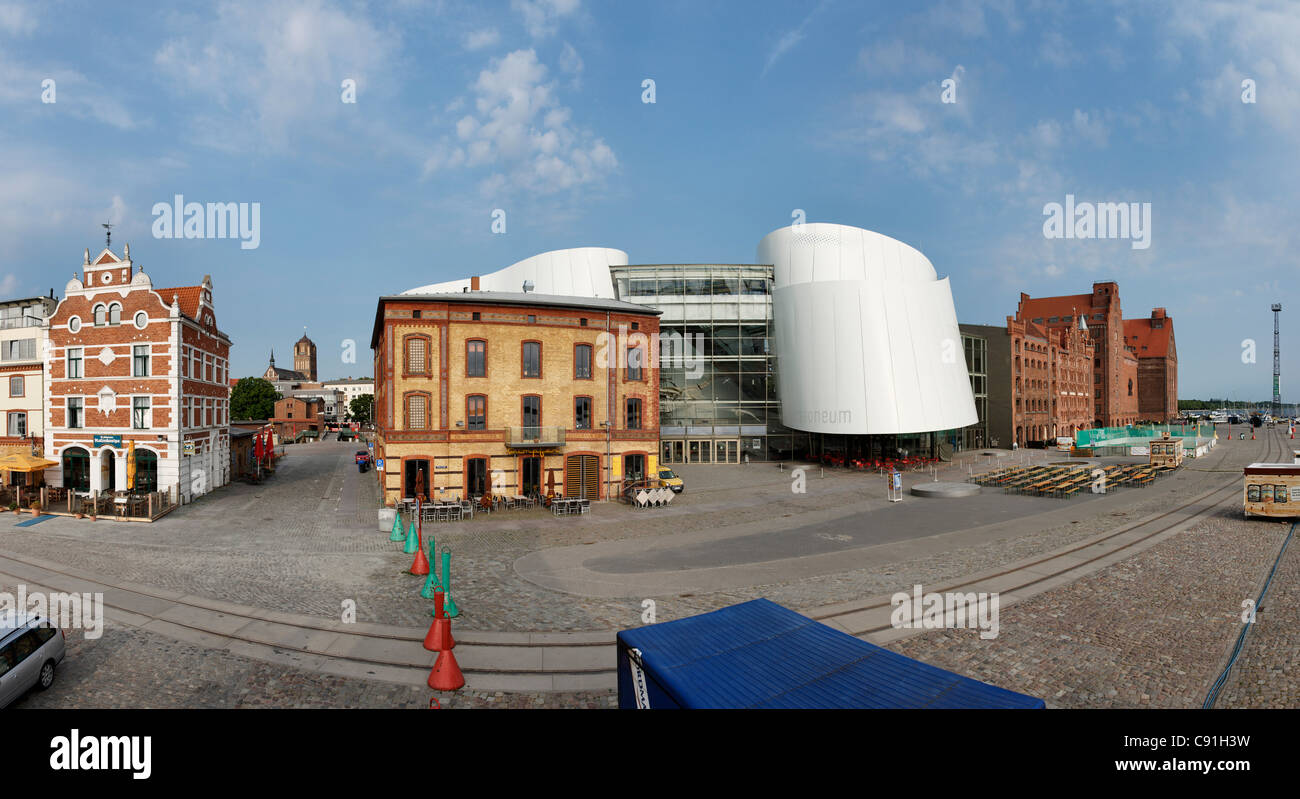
(24, 462)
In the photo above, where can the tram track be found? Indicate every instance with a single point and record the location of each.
(871, 618)
(513, 661)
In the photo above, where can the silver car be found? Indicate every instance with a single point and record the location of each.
(30, 648)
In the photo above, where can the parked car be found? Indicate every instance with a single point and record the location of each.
(362, 458)
(30, 649)
(670, 479)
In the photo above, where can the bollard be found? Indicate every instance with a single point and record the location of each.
(431, 585)
(412, 540)
(450, 604)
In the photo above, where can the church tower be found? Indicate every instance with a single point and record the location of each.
(304, 357)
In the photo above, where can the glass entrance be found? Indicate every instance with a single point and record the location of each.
(726, 452)
(415, 479)
(673, 451)
(476, 477)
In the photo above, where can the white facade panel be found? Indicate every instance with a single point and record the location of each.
(577, 272)
(866, 334)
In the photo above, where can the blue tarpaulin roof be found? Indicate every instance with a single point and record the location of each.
(759, 654)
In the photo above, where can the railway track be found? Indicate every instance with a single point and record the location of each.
(501, 661)
(871, 619)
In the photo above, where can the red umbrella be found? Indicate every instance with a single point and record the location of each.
(257, 448)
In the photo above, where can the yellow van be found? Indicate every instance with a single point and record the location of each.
(671, 480)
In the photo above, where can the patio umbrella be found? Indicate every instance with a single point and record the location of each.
(257, 447)
(550, 481)
(130, 466)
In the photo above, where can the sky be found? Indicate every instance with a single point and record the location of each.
(377, 140)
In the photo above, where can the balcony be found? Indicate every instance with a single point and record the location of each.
(535, 437)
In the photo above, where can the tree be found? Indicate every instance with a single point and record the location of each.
(253, 398)
(362, 408)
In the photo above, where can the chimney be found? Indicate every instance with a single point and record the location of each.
(473, 283)
(1158, 313)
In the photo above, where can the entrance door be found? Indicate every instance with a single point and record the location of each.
(107, 471)
(634, 468)
(581, 476)
(476, 477)
(531, 480)
(701, 451)
(673, 451)
(726, 452)
(413, 471)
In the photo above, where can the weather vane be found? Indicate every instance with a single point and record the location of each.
(108, 236)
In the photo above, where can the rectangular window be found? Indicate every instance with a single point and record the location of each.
(582, 413)
(634, 356)
(195, 370)
(476, 359)
(532, 359)
(634, 414)
(416, 357)
(416, 413)
(582, 362)
(74, 362)
(532, 411)
(476, 411)
(19, 350)
(16, 387)
(76, 412)
(18, 424)
(141, 418)
(207, 367)
(140, 360)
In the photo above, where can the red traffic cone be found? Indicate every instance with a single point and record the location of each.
(420, 565)
(439, 639)
(446, 674)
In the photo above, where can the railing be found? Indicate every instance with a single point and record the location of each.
(535, 436)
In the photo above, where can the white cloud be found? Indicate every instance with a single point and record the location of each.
(1057, 50)
(16, 19)
(894, 56)
(790, 39)
(570, 61)
(262, 73)
(74, 94)
(477, 40)
(541, 18)
(522, 133)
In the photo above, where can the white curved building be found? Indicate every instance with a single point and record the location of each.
(576, 272)
(865, 334)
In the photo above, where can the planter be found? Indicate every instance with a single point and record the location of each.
(36, 511)
(81, 515)
(386, 516)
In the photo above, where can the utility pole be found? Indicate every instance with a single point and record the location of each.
(1277, 363)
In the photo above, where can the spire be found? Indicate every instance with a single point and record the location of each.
(273, 356)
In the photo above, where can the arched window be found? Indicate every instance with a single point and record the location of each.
(101, 316)
(115, 314)
(417, 411)
(1130, 386)
(476, 412)
(476, 358)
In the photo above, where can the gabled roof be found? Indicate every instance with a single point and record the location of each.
(188, 296)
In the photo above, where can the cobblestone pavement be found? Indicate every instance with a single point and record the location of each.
(131, 668)
(307, 540)
(1150, 631)
(1267, 673)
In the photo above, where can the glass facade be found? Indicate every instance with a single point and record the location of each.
(977, 359)
(717, 384)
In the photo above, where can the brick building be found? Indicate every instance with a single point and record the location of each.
(304, 358)
(129, 363)
(1051, 371)
(1114, 388)
(1152, 341)
(497, 392)
(297, 415)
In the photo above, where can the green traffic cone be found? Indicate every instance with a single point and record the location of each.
(412, 540)
(431, 585)
(397, 534)
(449, 604)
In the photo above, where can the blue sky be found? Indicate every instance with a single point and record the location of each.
(535, 107)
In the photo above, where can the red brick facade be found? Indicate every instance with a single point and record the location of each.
(1050, 380)
(138, 365)
(1116, 381)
